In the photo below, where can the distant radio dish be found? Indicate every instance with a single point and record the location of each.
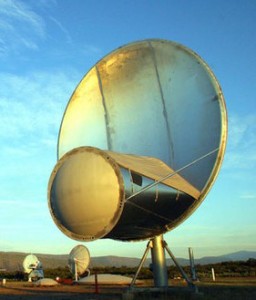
(78, 261)
(141, 142)
(30, 262)
(33, 267)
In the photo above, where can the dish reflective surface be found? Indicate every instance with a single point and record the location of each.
(150, 100)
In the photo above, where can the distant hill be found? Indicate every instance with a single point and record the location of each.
(240, 255)
(12, 261)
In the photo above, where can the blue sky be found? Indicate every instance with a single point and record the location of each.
(47, 46)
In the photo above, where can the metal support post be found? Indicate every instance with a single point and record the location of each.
(159, 262)
(76, 275)
(192, 264)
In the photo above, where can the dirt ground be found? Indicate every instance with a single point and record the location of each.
(22, 290)
(235, 289)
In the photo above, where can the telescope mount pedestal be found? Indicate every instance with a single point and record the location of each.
(158, 246)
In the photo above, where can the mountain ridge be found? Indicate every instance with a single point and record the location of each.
(12, 261)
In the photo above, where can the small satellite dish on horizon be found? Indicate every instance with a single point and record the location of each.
(33, 267)
(78, 261)
(140, 145)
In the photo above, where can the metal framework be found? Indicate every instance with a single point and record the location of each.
(158, 246)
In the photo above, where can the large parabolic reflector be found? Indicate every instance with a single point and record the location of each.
(140, 144)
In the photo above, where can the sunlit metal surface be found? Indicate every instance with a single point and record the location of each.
(78, 260)
(154, 99)
(86, 194)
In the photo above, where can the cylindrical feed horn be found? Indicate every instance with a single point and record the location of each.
(96, 194)
(86, 194)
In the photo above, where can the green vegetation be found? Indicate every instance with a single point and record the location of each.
(229, 269)
(16, 275)
(58, 272)
(222, 270)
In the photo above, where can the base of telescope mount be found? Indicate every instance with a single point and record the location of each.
(158, 246)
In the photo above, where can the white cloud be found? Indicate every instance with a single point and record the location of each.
(32, 106)
(242, 130)
(24, 27)
(31, 109)
(241, 147)
(20, 26)
(62, 28)
(5, 26)
(248, 196)
(19, 11)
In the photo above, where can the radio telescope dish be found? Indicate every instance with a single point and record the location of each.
(33, 267)
(78, 261)
(141, 142)
(30, 263)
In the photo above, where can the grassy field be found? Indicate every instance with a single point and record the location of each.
(224, 289)
(229, 288)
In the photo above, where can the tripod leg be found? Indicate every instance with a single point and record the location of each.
(149, 245)
(189, 282)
